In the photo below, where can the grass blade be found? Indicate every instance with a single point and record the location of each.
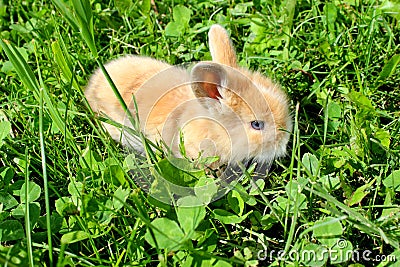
(45, 181)
(22, 68)
(81, 19)
(27, 214)
(289, 7)
(389, 67)
(84, 16)
(67, 14)
(63, 61)
(296, 148)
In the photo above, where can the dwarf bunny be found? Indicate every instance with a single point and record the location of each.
(221, 109)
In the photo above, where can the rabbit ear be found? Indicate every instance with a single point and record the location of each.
(207, 78)
(221, 47)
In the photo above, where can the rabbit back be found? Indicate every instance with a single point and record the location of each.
(156, 86)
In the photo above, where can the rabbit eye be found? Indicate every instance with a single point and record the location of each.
(257, 125)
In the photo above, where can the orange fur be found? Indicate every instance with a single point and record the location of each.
(213, 105)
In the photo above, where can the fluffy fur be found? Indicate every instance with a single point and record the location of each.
(213, 104)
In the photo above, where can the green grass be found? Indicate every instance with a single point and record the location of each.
(338, 188)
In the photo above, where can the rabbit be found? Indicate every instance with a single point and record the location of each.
(219, 108)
